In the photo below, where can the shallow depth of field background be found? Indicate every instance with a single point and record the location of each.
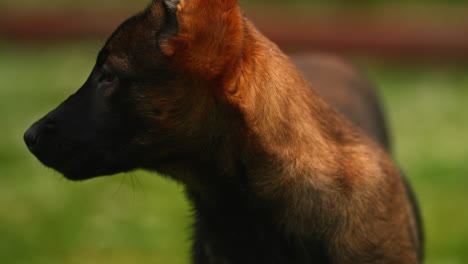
(144, 218)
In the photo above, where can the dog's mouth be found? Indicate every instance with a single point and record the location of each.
(78, 161)
(84, 167)
(82, 174)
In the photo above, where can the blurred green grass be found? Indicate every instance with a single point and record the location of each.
(144, 218)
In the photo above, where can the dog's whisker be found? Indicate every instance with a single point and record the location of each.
(120, 185)
(133, 186)
(142, 187)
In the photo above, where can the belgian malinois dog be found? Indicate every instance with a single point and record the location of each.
(192, 90)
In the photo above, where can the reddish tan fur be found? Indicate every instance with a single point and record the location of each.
(206, 47)
(348, 91)
(316, 151)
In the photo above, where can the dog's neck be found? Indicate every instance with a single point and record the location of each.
(278, 133)
(288, 128)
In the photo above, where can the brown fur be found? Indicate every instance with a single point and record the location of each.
(350, 93)
(206, 47)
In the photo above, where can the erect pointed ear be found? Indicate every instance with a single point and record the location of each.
(203, 37)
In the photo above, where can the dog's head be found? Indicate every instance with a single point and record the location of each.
(151, 96)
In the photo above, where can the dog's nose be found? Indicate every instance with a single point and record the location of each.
(30, 137)
(33, 134)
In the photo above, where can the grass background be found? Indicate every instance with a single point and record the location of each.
(143, 218)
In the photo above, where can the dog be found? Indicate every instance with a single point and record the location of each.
(275, 174)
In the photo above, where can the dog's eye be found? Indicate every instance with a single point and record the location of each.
(107, 79)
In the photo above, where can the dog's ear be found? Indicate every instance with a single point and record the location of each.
(203, 37)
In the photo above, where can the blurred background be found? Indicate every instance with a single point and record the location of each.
(416, 51)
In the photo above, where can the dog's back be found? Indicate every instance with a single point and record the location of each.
(348, 91)
(342, 86)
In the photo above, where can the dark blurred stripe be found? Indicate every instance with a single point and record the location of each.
(425, 38)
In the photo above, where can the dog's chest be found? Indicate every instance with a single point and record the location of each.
(254, 243)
